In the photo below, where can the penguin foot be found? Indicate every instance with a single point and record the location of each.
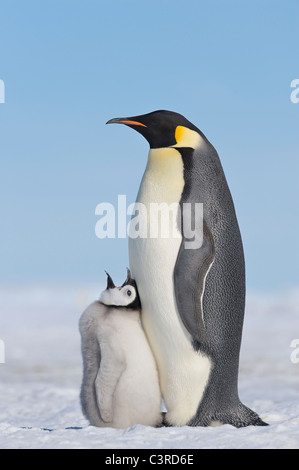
(245, 417)
(239, 417)
(165, 422)
(160, 422)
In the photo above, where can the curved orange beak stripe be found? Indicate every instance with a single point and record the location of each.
(134, 123)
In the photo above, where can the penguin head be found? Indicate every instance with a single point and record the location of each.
(163, 129)
(123, 296)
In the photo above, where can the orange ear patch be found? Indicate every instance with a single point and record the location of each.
(179, 132)
(186, 137)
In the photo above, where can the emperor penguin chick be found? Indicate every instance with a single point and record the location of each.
(120, 385)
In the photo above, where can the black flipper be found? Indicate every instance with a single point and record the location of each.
(191, 269)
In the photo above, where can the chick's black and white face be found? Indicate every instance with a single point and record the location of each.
(123, 296)
(119, 296)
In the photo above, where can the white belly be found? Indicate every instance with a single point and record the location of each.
(183, 372)
(137, 397)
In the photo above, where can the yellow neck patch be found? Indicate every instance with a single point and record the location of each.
(186, 137)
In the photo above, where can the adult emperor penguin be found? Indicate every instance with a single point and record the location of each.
(192, 297)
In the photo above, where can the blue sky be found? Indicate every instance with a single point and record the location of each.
(69, 66)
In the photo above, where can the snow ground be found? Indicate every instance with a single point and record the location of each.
(40, 379)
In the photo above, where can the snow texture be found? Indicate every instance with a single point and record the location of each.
(41, 377)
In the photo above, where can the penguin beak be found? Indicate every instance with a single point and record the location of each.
(110, 283)
(127, 121)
